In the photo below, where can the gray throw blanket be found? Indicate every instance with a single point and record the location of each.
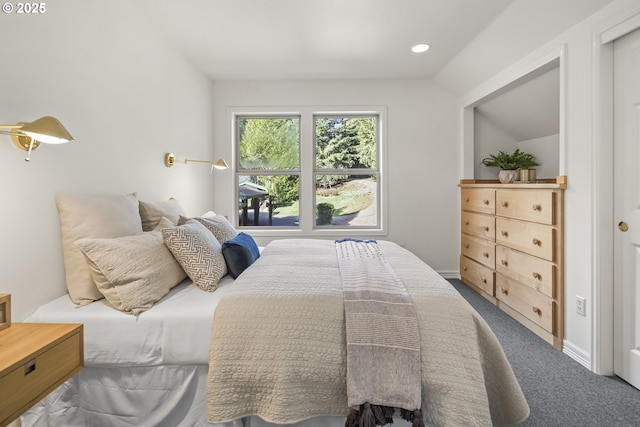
(383, 339)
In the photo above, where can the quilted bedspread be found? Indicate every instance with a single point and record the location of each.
(278, 343)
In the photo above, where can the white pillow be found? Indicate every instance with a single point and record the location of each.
(132, 272)
(198, 252)
(92, 217)
(151, 212)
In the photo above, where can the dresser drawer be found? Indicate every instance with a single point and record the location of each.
(530, 303)
(534, 239)
(480, 225)
(477, 274)
(26, 384)
(534, 272)
(479, 200)
(527, 205)
(482, 251)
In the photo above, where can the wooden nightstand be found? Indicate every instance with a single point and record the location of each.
(35, 358)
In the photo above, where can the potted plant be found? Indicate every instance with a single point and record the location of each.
(510, 163)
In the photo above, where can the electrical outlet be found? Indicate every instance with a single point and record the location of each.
(580, 306)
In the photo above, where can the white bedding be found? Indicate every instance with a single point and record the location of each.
(176, 331)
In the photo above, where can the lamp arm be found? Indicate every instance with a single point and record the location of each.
(198, 161)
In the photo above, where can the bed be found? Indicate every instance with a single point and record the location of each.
(266, 348)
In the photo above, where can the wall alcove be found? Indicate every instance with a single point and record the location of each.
(524, 114)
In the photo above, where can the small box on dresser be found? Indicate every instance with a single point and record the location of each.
(5, 311)
(512, 250)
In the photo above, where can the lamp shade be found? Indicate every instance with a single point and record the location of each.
(47, 129)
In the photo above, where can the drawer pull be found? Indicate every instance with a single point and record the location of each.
(504, 233)
(464, 267)
(486, 254)
(537, 207)
(504, 291)
(466, 245)
(504, 262)
(484, 280)
(536, 310)
(537, 276)
(485, 201)
(537, 242)
(505, 204)
(466, 200)
(486, 229)
(29, 367)
(466, 223)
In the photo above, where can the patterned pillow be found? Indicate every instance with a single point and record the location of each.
(219, 225)
(198, 252)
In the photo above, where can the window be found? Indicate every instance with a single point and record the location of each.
(309, 171)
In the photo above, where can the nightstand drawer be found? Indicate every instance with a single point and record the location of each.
(36, 374)
(527, 205)
(480, 225)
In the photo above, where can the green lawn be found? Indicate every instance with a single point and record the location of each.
(351, 197)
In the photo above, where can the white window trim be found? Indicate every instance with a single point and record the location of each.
(307, 168)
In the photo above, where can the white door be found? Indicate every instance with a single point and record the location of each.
(627, 208)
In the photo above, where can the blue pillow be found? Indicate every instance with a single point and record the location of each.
(239, 253)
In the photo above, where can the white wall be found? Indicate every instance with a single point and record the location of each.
(545, 149)
(422, 148)
(489, 140)
(578, 136)
(124, 95)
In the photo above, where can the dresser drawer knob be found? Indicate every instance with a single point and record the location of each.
(464, 267)
(536, 310)
(486, 229)
(486, 254)
(466, 246)
(484, 280)
(504, 262)
(537, 242)
(537, 207)
(537, 276)
(485, 201)
(29, 367)
(505, 204)
(466, 223)
(504, 291)
(504, 233)
(466, 200)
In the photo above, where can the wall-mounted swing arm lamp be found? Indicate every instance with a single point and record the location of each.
(28, 136)
(170, 160)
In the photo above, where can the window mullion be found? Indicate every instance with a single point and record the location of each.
(307, 166)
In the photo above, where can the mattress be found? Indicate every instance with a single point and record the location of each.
(175, 331)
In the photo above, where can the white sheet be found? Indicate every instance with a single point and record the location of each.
(176, 331)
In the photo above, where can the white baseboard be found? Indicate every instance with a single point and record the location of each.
(577, 354)
(450, 274)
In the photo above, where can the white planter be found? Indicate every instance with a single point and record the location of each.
(508, 177)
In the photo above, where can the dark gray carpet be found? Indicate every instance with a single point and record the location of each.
(560, 391)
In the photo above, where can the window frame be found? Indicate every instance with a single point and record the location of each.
(307, 169)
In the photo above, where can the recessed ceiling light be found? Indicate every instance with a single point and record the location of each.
(419, 48)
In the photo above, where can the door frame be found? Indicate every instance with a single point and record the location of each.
(602, 269)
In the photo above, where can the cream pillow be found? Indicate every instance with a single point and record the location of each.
(219, 225)
(132, 272)
(151, 212)
(198, 252)
(92, 217)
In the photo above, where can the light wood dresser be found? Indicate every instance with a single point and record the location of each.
(512, 250)
(35, 358)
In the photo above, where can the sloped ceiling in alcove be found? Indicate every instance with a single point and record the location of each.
(528, 111)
